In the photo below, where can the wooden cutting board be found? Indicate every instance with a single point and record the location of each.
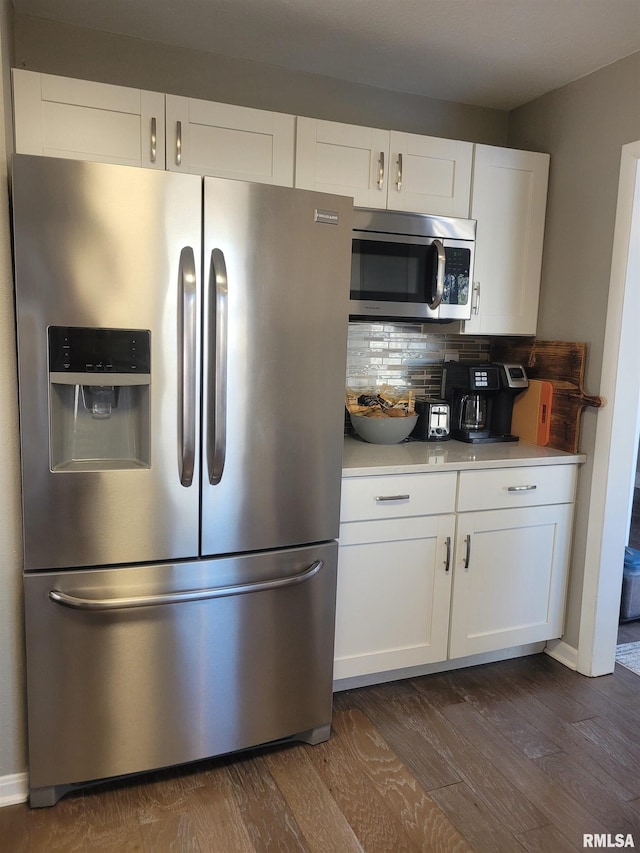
(562, 363)
(532, 412)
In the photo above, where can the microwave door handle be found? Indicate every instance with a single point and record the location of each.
(187, 324)
(217, 367)
(437, 299)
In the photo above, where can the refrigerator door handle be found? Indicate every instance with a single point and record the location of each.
(187, 327)
(77, 603)
(217, 367)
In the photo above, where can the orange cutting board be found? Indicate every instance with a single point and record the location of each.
(532, 412)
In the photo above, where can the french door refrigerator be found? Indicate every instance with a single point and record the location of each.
(181, 347)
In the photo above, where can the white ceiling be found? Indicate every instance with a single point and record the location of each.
(491, 53)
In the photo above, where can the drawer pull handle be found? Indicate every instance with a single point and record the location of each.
(467, 556)
(521, 488)
(380, 498)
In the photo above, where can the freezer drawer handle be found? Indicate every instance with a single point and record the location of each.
(217, 367)
(76, 603)
(187, 325)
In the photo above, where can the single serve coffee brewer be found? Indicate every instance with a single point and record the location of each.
(481, 399)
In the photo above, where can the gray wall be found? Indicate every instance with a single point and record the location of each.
(75, 52)
(583, 126)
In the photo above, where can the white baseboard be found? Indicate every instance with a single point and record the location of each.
(355, 681)
(563, 653)
(14, 789)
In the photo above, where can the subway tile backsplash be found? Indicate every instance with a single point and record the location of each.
(406, 356)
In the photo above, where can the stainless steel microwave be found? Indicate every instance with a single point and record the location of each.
(411, 267)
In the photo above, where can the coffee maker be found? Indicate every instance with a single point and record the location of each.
(481, 398)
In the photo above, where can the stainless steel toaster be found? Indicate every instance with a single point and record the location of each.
(434, 420)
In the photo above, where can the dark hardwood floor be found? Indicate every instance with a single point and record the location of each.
(521, 755)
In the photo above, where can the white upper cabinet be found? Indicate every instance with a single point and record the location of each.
(429, 175)
(227, 141)
(79, 119)
(384, 169)
(345, 159)
(508, 200)
(83, 120)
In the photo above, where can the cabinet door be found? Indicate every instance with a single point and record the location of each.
(508, 200)
(394, 585)
(344, 159)
(227, 141)
(429, 175)
(510, 571)
(82, 120)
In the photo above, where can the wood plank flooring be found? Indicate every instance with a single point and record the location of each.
(521, 755)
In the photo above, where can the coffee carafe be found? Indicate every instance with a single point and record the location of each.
(472, 412)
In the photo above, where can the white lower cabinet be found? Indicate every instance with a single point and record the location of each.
(392, 608)
(509, 578)
(448, 565)
(394, 572)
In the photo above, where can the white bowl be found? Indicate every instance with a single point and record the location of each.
(383, 430)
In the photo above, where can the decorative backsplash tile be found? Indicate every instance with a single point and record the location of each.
(406, 356)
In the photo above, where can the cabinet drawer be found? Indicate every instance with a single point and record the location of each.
(397, 495)
(502, 488)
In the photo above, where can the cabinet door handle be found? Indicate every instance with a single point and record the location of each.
(521, 488)
(381, 170)
(467, 556)
(154, 139)
(399, 174)
(475, 298)
(380, 498)
(178, 143)
(447, 561)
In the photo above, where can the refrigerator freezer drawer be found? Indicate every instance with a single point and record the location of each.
(135, 668)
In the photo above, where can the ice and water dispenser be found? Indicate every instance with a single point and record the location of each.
(99, 408)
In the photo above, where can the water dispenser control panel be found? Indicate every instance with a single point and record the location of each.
(80, 350)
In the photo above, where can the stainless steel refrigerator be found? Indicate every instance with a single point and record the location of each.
(181, 347)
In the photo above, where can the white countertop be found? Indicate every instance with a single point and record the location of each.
(361, 459)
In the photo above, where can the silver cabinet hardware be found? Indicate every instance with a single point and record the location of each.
(447, 562)
(178, 143)
(467, 556)
(475, 298)
(381, 170)
(399, 174)
(380, 498)
(154, 139)
(521, 488)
